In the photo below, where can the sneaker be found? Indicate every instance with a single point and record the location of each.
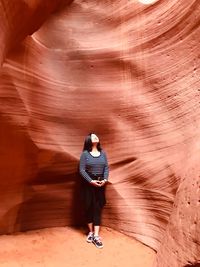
(97, 242)
(90, 237)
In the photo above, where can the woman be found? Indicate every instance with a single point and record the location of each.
(94, 169)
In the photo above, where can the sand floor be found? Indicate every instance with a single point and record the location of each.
(65, 246)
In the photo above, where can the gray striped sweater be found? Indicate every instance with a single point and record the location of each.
(94, 165)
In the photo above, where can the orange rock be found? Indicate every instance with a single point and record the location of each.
(130, 73)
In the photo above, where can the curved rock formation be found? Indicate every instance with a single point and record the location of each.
(25, 17)
(181, 243)
(130, 73)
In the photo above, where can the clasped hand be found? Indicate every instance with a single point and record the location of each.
(98, 183)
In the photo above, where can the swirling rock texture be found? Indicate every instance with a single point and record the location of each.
(130, 73)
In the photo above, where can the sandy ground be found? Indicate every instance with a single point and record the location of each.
(65, 246)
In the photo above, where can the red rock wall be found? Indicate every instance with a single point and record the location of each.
(129, 72)
(180, 245)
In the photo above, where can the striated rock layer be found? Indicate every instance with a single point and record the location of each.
(181, 242)
(130, 73)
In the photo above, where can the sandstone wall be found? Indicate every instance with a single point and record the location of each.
(130, 73)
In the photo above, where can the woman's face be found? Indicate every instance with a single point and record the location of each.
(94, 138)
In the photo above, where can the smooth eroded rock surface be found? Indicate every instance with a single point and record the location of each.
(130, 73)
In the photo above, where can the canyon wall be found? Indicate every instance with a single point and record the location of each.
(126, 71)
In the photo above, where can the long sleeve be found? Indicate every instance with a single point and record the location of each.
(82, 167)
(106, 168)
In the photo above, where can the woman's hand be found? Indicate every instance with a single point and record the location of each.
(103, 182)
(96, 183)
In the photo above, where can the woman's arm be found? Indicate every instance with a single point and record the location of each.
(82, 167)
(106, 168)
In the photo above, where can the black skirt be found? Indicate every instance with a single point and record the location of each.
(92, 195)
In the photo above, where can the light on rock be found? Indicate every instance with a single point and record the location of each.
(147, 2)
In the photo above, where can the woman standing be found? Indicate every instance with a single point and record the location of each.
(94, 169)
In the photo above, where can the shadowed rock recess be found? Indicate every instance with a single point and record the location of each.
(130, 73)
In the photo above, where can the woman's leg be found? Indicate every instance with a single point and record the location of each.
(90, 227)
(97, 221)
(89, 217)
(97, 218)
(96, 230)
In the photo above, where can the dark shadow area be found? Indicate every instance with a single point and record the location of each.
(193, 265)
(78, 216)
(55, 202)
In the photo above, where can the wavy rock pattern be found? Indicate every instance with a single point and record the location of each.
(129, 72)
